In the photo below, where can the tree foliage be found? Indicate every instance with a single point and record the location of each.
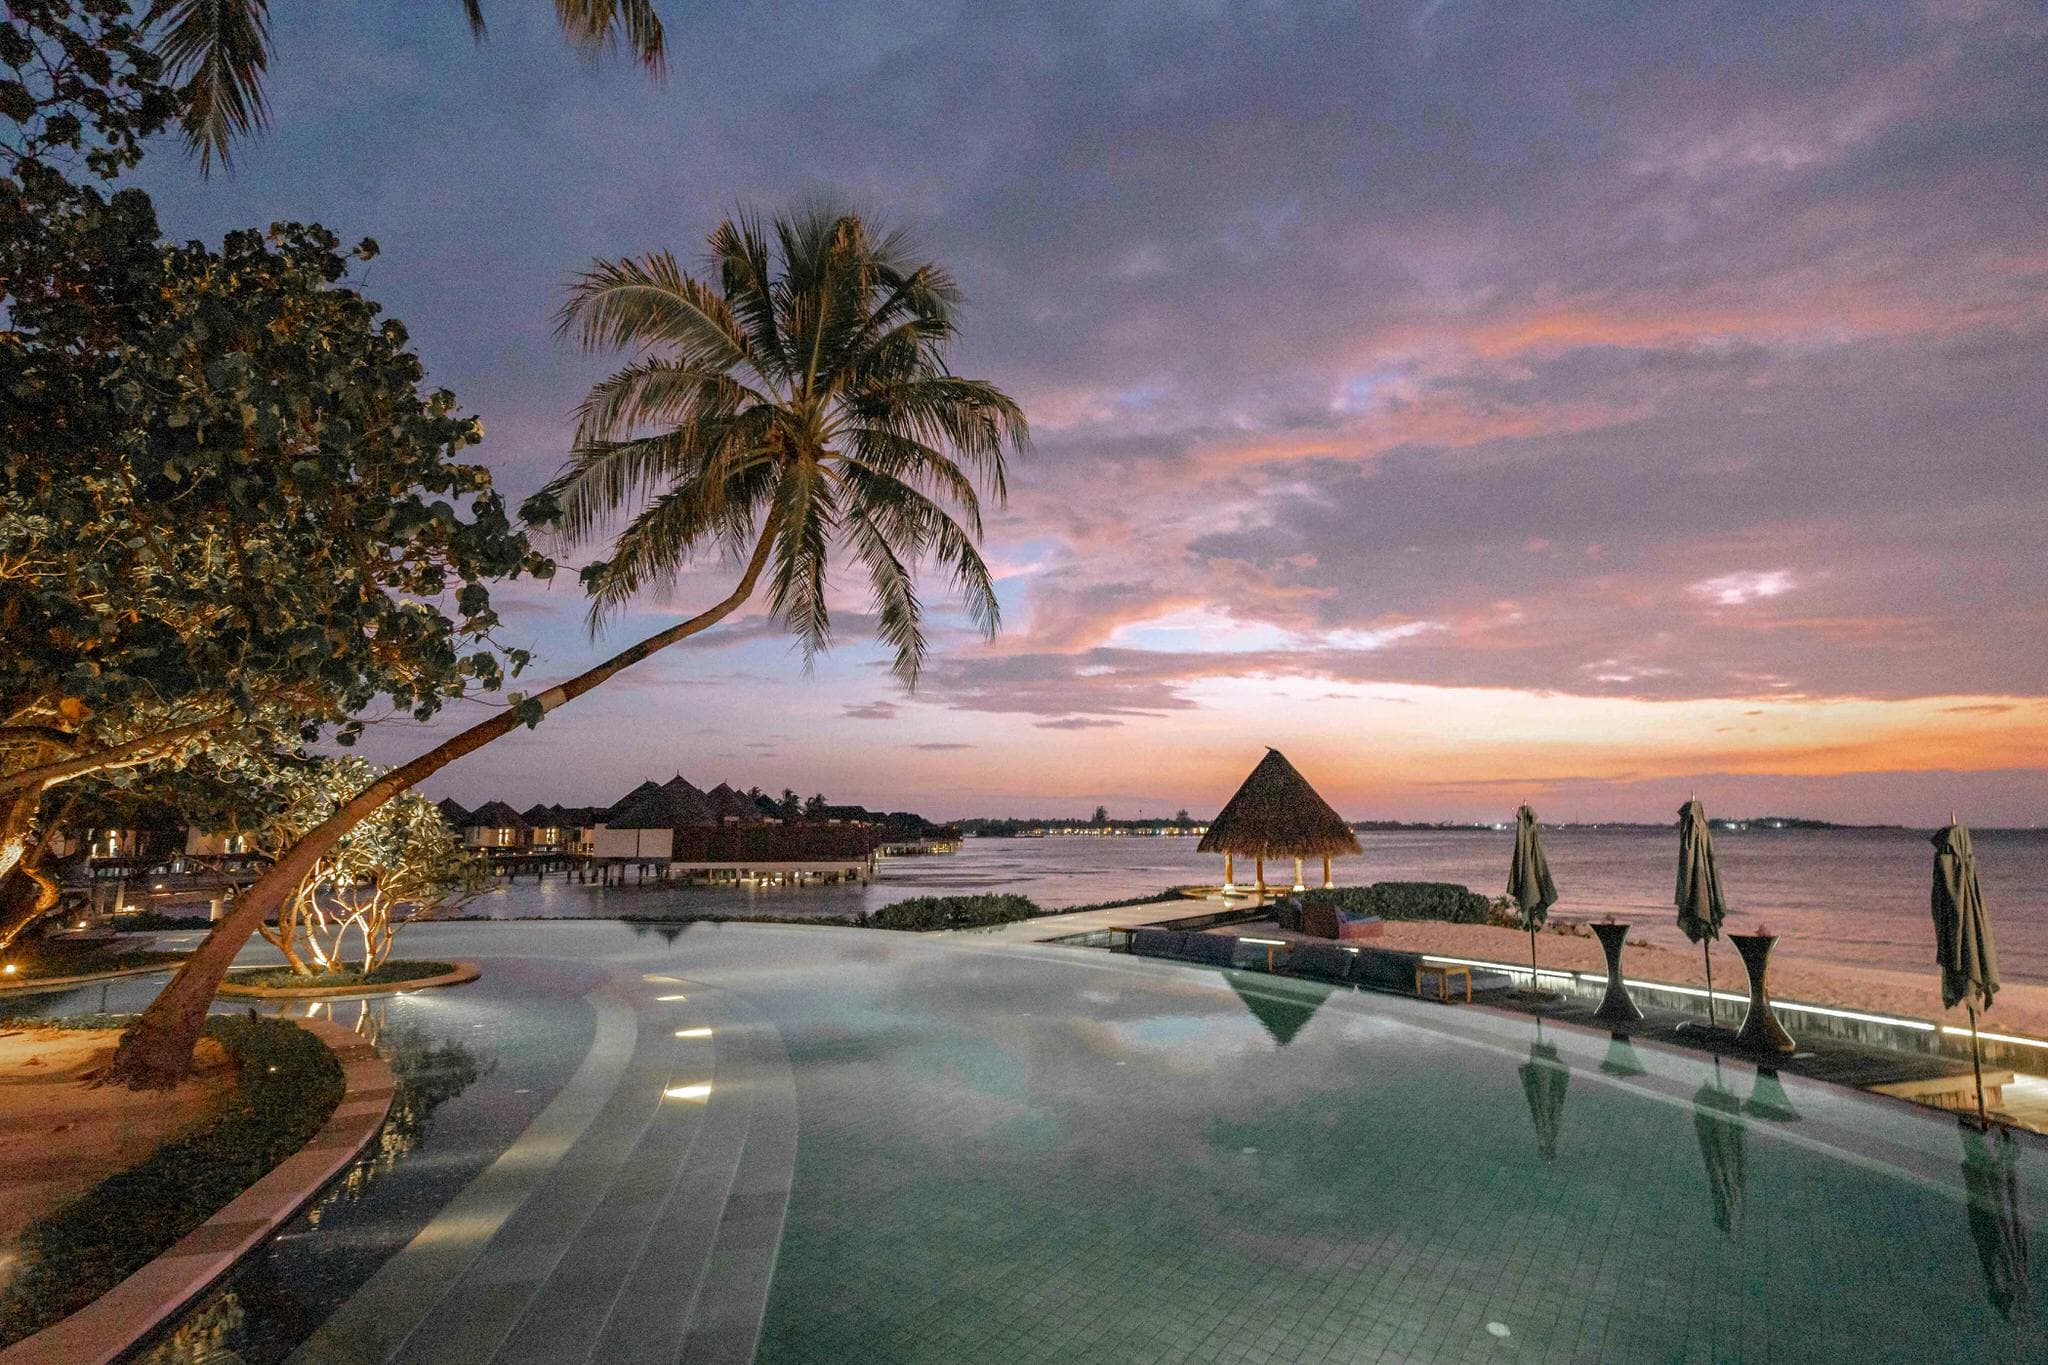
(231, 511)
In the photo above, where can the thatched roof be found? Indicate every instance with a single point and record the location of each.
(727, 803)
(1277, 814)
(673, 805)
(495, 815)
(639, 793)
(453, 811)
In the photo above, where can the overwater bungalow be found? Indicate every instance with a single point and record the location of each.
(1277, 814)
(494, 825)
(676, 830)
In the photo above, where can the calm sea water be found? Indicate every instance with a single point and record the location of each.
(1857, 896)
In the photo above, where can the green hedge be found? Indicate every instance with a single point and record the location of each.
(149, 921)
(389, 973)
(925, 913)
(1406, 900)
(289, 1084)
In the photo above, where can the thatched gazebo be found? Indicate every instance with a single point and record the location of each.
(1277, 814)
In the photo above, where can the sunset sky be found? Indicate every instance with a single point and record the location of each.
(1479, 402)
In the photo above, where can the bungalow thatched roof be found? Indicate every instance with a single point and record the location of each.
(673, 805)
(639, 793)
(1277, 814)
(453, 811)
(495, 815)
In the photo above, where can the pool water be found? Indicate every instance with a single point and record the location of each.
(993, 1154)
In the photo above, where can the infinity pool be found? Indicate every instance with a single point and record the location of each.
(821, 1145)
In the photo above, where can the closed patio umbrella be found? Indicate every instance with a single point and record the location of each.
(1962, 937)
(1998, 1223)
(1529, 884)
(1717, 1118)
(1545, 1078)
(1700, 906)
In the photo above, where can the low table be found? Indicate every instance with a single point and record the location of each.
(1443, 972)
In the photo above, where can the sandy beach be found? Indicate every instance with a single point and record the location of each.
(2020, 1008)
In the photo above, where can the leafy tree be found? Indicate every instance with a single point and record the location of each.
(229, 512)
(219, 51)
(1181, 817)
(817, 805)
(792, 805)
(1101, 816)
(797, 406)
(238, 512)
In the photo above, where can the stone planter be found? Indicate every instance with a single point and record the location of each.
(1616, 1007)
(1761, 1031)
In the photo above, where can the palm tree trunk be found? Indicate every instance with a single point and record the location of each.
(156, 1052)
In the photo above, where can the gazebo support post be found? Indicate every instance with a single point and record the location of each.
(1260, 863)
(1327, 883)
(1229, 873)
(1298, 885)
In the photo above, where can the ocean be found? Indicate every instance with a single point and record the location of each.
(1853, 896)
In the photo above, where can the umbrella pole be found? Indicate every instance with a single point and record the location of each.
(1532, 959)
(1707, 952)
(1977, 1069)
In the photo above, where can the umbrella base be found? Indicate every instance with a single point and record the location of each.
(1617, 1007)
(1521, 995)
(1761, 1031)
(1708, 1035)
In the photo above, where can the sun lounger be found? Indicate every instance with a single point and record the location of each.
(1156, 942)
(1321, 961)
(1326, 921)
(1214, 950)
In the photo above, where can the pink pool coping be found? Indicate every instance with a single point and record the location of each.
(112, 1324)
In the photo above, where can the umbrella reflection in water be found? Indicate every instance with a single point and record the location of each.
(1717, 1117)
(1997, 1221)
(1545, 1078)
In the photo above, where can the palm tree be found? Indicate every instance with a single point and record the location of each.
(218, 51)
(794, 405)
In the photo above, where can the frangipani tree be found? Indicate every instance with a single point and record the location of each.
(404, 857)
(790, 406)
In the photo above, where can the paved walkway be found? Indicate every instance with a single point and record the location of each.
(1046, 928)
(636, 1218)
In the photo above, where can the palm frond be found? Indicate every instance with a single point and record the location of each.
(809, 519)
(656, 545)
(746, 280)
(216, 52)
(636, 303)
(598, 25)
(898, 613)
